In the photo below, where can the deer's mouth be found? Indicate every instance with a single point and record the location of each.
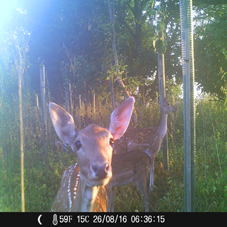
(100, 182)
(93, 179)
(96, 182)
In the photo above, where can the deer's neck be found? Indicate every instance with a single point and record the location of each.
(85, 199)
(162, 127)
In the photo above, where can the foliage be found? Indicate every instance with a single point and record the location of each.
(210, 49)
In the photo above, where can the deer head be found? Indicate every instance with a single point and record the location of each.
(166, 106)
(92, 144)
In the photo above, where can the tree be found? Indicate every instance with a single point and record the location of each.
(83, 28)
(210, 50)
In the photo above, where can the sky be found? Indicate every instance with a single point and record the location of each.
(7, 7)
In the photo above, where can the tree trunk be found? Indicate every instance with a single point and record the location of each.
(114, 51)
(138, 14)
(19, 69)
(162, 94)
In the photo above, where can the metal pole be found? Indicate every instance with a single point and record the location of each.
(43, 97)
(187, 47)
(187, 124)
(44, 123)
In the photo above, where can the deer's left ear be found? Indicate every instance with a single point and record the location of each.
(121, 117)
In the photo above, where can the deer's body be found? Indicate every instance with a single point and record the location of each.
(65, 198)
(93, 146)
(140, 139)
(147, 140)
(68, 189)
(126, 168)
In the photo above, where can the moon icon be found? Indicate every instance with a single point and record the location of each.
(39, 219)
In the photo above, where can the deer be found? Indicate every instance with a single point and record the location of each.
(68, 190)
(147, 140)
(126, 168)
(94, 148)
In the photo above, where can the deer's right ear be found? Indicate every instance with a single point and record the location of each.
(63, 123)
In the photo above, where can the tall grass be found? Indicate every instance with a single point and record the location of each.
(42, 182)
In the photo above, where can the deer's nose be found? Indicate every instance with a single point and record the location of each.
(101, 171)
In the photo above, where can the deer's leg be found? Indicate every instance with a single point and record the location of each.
(152, 173)
(141, 183)
(146, 199)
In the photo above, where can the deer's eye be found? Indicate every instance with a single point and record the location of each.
(78, 144)
(111, 142)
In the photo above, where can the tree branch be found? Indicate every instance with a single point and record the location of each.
(131, 9)
(130, 30)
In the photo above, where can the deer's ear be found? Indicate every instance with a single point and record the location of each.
(164, 100)
(121, 117)
(63, 123)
